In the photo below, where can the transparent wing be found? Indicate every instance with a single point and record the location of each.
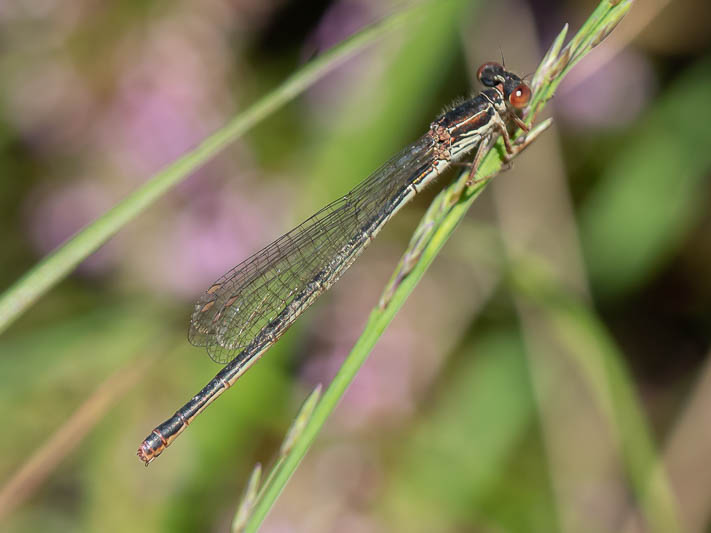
(264, 294)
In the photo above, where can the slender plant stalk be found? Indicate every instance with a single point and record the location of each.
(443, 216)
(589, 344)
(250, 493)
(58, 264)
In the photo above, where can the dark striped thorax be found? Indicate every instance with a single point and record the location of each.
(466, 124)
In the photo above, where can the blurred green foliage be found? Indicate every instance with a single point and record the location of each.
(652, 191)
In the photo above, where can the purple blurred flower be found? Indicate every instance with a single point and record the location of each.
(383, 389)
(611, 97)
(341, 20)
(168, 100)
(53, 214)
(203, 240)
(345, 499)
(50, 104)
(408, 356)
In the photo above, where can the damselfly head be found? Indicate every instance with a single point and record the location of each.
(515, 90)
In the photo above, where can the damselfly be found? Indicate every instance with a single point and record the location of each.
(244, 312)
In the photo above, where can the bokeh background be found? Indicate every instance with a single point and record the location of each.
(482, 408)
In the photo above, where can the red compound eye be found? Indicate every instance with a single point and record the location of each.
(520, 96)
